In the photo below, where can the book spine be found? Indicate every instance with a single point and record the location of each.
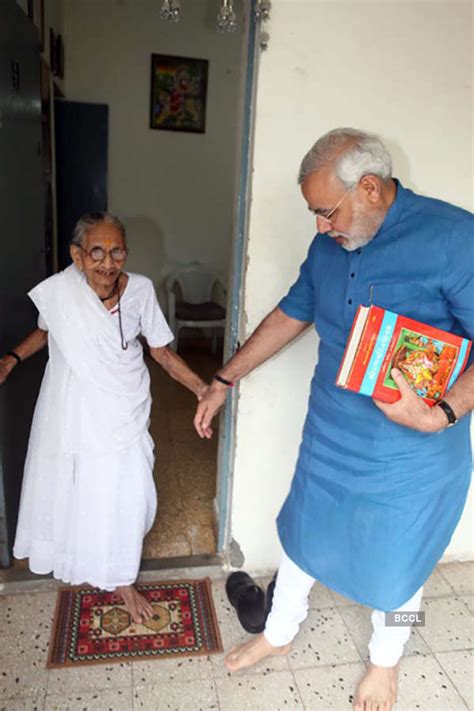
(377, 359)
(366, 348)
(348, 342)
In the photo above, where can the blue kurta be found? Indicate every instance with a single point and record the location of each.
(373, 505)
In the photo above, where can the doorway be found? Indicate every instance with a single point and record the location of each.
(193, 477)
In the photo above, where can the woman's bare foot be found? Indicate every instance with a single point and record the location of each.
(249, 653)
(377, 690)
(138, 606)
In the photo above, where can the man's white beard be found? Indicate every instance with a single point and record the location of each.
(363, 229)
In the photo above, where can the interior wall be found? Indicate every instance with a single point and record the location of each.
(174, 190)
(400, 69)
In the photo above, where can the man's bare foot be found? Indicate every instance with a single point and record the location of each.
(249, 653)
(138, 606)
(377, 690)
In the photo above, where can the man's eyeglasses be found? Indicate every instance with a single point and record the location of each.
(327, 214)
(97, 254)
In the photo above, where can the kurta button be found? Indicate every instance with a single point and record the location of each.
(358, 251)
(350, 301)
(353, 274)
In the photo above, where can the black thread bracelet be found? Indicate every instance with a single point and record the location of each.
(15, 356)
(222, 380)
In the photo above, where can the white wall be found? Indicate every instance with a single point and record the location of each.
(174, 190)
(401, 69)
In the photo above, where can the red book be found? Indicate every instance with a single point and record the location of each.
(429, 358)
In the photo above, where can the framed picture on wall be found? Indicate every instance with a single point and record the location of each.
(178, 93)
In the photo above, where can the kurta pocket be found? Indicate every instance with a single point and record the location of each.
(403, 297)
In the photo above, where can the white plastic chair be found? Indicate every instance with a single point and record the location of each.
(190, 292)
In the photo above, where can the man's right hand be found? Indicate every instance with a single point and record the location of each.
(7, 363)
(209, 406)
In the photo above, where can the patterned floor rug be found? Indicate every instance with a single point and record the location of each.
(93, 627)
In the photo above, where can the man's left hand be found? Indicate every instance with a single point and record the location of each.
(411, 410)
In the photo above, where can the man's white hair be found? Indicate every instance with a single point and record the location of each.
(353, 154)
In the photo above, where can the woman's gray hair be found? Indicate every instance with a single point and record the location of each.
(353, 154)
(90, 220)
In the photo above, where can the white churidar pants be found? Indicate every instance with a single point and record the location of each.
(290, 607)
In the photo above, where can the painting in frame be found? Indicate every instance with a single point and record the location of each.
(178, 93)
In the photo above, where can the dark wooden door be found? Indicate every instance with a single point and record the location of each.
(22, 247)
(81, 166)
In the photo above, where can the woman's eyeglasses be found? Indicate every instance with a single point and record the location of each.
(97, 254)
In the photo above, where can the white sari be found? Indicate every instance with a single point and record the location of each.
(88, 495)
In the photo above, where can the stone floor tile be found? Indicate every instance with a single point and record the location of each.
(423, 686)
(197, 695)
(320, 597)
(357, 619)
(167, 538)
(26, 703)
(23, 664)
(469, 601)
(459, 575)
(168, 487)
(233, 634)
(257, 692)
(448, 624)
(323, 639)
(196, 478)
(437, 585)
(31, 614)
(174, 546)
(164, 671)
(199, 512)
(185, 468)
(201, 539)
(95, 700)
(459, 666)
(187, 437)
(329, 687)
(90, 677)
(340, 600)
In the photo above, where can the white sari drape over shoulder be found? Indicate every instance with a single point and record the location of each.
(88, 494)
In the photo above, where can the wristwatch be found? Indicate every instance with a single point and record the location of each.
(448, 411)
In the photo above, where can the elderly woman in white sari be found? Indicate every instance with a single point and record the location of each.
(88, 496)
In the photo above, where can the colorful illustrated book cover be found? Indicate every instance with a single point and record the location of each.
(429, 358)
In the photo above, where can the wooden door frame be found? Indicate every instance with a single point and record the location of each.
(226, 450)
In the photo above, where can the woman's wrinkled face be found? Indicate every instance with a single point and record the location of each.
(101, 273)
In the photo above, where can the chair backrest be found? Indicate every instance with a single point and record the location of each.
(194, 281)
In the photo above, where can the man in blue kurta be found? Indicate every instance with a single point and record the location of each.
(379, 488)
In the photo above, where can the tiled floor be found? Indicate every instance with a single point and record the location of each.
(185, 467)
(320, 673)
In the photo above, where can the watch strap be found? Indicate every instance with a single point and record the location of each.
(14, 355)
(448, 411)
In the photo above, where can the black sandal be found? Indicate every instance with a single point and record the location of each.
(249, 601)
